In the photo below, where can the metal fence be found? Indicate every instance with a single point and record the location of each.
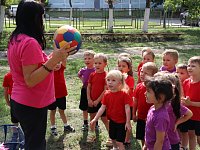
(92, 19)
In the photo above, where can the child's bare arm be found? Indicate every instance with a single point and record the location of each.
(184, 118)
(6, 96)
(99, 113)
(128, 123)
(187, 101)
(135, 104)
(159, 140)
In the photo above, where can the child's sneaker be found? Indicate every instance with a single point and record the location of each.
(69, 128)
(85, 127)
(54, 131)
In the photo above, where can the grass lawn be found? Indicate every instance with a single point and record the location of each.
(77, 140)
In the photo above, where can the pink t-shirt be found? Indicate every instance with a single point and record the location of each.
(22, 52)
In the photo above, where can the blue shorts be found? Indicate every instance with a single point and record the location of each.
(60, 103)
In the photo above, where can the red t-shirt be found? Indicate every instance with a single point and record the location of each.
(142, 105)
(139, 70)
(98, 82)
(59, 83)
(115, 105)
(8, 82)
(192, 90)
(130, 82)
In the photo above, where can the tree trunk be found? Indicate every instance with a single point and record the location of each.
(146, 16)
(2, 14)
(110, 20)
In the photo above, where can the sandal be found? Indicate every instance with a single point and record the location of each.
(109, 143)
(91, 138)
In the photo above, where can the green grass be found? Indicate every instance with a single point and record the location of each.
(77, 140)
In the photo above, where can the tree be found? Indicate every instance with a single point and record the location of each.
(2, 14)
(146, 16)
(70, 18)
(110, 19)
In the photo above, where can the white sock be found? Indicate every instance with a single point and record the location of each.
(65, 125)
(53, 126)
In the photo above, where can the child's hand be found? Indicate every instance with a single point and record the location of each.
(90, 103)
(92, 123)
(186, 101)
(134, 117)
(144, 147)
(95, 103)
(128, 125)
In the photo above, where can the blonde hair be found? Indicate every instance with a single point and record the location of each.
(102, 56)
(89, 52)
(194, 59)
(118, 75)
(172, 52)
(146, 49)
(151, 66)
(124, 55)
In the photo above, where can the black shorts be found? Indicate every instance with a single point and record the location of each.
(95, 110)
(60, 103)
(83, 105)
(117, 131)
(131, 115)
(140, 129)
(175, 146)
(191, 125)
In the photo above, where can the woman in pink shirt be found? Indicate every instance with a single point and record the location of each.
(33, 87)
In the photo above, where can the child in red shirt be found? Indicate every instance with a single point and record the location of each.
(60, 94)
(140, 105)
(95, 90)
(8, 84)
(182, 72)
(147, 56)
(125, 66)
(191, 88)
(116, 103)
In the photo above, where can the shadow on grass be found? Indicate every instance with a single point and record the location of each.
(58, 142)
(84, 145)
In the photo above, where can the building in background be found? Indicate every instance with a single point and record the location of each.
(97, 4)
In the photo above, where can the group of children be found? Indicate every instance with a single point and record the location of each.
(164, 104)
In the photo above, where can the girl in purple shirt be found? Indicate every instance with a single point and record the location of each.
(159, 92)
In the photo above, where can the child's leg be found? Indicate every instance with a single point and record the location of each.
(198, 140)
(192, 139)
(63, 116)
(52, 117)
(184, 139)
(105, 121)
(92, 115)
(85, 115)
(114, 144)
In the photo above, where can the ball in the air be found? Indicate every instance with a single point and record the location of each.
(66, 34)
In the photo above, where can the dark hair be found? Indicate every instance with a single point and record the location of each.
(29, 21)
(160, 87)
(129, 64)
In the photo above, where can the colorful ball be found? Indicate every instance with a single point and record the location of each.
(66, 34)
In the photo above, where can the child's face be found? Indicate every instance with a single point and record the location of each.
(150, 96)
(182, 73)
(169, 62)
(123, 67)
(89, 61)
(113, 83)
(147, 58)
(99, 65)
(144, 73)
(193, 69)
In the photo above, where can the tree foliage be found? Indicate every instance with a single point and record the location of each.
(193, 6)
